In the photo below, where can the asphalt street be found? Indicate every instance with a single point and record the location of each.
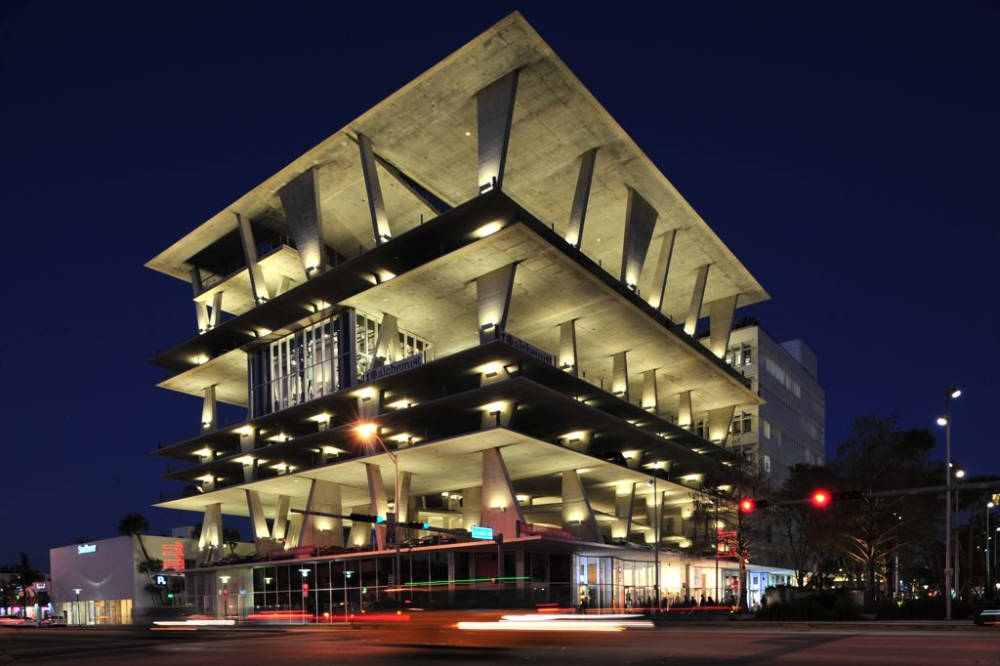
(697, 646)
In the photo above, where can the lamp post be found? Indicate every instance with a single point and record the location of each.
(951, 394)
(956, 556)
(656, 534)
(988, 588)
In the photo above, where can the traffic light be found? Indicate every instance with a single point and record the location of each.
(747, 505)
(820, 499)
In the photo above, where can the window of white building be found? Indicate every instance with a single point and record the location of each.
(767, 428)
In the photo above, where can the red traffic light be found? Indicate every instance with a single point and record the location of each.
(820, 498)
(747, 505)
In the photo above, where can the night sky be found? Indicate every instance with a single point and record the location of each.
(848, 155)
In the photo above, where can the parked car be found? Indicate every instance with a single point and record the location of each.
(989, 616)
(54, 621)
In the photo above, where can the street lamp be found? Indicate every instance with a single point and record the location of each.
(951, 394)
(986, 588)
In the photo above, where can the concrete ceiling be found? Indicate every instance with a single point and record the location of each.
(445, 465)
(438, 302)
(428, 130)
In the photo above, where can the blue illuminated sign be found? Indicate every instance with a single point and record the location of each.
(481, 532)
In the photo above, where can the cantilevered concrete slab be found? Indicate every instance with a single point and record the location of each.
(445, 465)
(427, 130)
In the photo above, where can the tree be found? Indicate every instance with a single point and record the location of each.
(134, 524)
(806, 532)
(878, 457)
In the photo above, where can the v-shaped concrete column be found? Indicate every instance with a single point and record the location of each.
(380, 221)
(624, 500)
(577, 516)
(578, 214)
(656, 299)
(378, 503)
(567, 347)
(211, 533)
(388, 345)
(619, 375)
(493, 292)
(720, 322)
(301, 203)
(640, 219)
(650, 394)
(500, 509)
(697, 296)
(324, 497)
(495, 114)
(258, 286)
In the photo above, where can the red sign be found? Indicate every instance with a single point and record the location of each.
(173, 555)
(305, 590)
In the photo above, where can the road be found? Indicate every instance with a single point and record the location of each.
(675, 645)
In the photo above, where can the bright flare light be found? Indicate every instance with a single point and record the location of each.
(942, 421)
(366, 429)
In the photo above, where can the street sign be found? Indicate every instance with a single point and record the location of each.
(478, 532)
(160, 580)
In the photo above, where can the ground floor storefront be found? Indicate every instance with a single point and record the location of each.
(532, 574)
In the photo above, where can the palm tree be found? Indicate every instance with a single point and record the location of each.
(134, 524)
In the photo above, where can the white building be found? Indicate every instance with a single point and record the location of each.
(790, 427)
(100, 582)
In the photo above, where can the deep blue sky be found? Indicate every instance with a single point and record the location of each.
(847, 153)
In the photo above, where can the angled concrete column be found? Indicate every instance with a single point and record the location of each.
(577, 516)
(257, 283)
(697, 295)
(387, 345)
(493, 293)
(248, 439)
(662, 270)
(377, 500)
(210, 541)
(376, 206)
(249, 469)
(208, 410)
(324, 496)
(650, 395)
(472, 506)
(567, 347)
(654, 511)
(300, 201)
(369, 403)
(619, 375)
(403, 510)
(720, 323)
(719, 422)
(685, 414)
(200, 309)
(361, 533)
(280, 526)
(294, 536)
(578, 214)
(640, 218)
(494, 115)
(258, 521)
(215, 316)
(624, 499)
(500, 508)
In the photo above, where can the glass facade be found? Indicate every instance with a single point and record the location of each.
(316, 361)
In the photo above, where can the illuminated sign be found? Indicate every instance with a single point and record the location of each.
(478, 532)
(173, 555)
(529, 349)
(160, 580)
(85, 548)
(408, 363)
